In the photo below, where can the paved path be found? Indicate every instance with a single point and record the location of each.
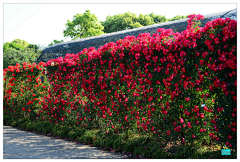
(18, 144)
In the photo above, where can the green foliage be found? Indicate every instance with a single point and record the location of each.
(17, 44)
(96, 143)
(130, 20)
(36, 47)
(140, 147)
(86, 25)
(178, 17)
(54, 42)
(19, 51)
(20, 42)
(11, 56)
(83, 25)
(158, 18)
(125, 21)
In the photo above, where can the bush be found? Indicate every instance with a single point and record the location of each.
(176, 87)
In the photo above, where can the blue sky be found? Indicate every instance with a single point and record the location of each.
(44, 22)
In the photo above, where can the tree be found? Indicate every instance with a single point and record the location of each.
(130, 20)
(19, 51)
(145, 20)
(34, 47)
(12, 56)
(158, 18)
(54, 42)
(20, 42)
(16, 44)
(83, 25)
(125, 21)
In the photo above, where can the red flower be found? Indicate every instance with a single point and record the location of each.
(234, 129)
(201, 62)
(187, 99)
(183, 140)
(150, 98)
(229, 136)
(211, 134)
(201, 115)
(233, 124)
(189, 125)
(211, 87)
(181, 120)
(168, 132)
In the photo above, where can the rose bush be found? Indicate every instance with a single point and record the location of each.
(23, 90)
(177, 86)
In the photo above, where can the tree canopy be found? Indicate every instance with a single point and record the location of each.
(83, 25)
(16, 44)
(130, 20)
(125, 21)
(19, 51)
(158, 18)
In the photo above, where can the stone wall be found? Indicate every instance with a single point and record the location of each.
(75, 46)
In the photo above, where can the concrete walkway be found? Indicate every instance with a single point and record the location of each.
(18, 144)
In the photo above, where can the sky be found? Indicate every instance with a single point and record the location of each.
(43, 22)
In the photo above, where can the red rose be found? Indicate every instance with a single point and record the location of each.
(201, 115)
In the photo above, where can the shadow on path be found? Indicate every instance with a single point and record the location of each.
(18, 144)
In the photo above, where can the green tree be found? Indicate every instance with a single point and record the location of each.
(145, 20)
(125, 21)
(130, 20)
(19, 51)
(83, 25)
(54, 42)
(20, 42)
(34, 46)
(12, 56)
(158, 18)
(16, 44)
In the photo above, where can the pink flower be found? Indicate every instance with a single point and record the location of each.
(181, 120)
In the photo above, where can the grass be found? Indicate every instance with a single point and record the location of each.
(136, 146)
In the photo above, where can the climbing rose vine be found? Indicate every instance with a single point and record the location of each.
(178, 86)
